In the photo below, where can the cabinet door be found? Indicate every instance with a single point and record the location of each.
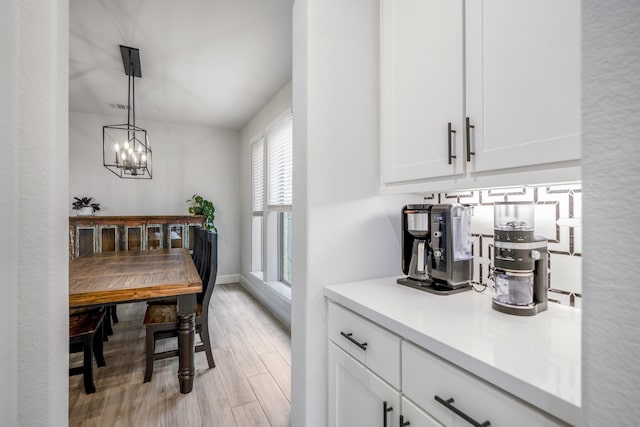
(421, 73)
(176, 236)
(523, 82)
(416, 417)
(107, 238)
(85, 241)
(154, 236)
(133, 238)
(357, 397)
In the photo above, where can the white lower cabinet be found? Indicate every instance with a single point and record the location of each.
(415, 416)
(376, 378)
(357, 397)
(457, 398)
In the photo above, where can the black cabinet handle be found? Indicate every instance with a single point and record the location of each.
(403, 423)
(469, 152)
(385, 409)
(361, 345)
(448, 404)
(450, 131)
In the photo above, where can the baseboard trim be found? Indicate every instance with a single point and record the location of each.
(228, 278)
(275, 302)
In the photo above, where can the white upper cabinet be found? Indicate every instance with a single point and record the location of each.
(523, 82)
(511, 70)
(421, 88)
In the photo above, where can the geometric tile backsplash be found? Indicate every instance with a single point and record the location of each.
(557, 216)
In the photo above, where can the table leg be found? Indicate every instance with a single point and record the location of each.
(186, 341)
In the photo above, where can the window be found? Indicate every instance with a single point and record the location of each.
(280, 165)
(284, 265)
(257, 203)
(272, 197)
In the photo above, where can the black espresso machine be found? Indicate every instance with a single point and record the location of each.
(436, 247)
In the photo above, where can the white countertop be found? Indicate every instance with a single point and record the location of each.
(535, 358)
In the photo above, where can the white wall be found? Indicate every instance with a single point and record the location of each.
(334, 104)
(186, 160)
(9, 188)
(33, 197)
(275, 109)
(611, 180)
(342, 229)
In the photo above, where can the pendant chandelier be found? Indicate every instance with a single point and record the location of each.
(125, 148)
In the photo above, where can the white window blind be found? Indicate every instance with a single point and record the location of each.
(257, 170)
(280, 156)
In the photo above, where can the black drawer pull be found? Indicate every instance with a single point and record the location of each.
(403, 423)
(362, 345)
(469, 152)
(450, 132)
(448, 404)
(385, 409)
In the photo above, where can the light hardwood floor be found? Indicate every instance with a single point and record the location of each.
(249, 387)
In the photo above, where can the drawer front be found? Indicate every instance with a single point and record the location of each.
(370, 344)
(425, 376)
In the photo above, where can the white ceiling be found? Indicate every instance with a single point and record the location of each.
(204, 62)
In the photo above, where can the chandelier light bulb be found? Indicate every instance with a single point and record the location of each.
(126, 145)
(124, 156)
(130, 150)
(116, 146)
(144, 157)
(139, 149)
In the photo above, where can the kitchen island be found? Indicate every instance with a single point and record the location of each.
(536, 359)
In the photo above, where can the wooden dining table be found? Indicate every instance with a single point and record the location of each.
(127, 276)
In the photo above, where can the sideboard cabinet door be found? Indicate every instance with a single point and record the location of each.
(85, 243)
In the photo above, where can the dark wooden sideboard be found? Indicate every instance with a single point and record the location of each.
(89, 234)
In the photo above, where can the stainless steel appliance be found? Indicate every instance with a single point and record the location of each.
(520, 260)
(436, 247)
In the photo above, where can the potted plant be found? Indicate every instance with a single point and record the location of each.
(202, 206)
(84, 206)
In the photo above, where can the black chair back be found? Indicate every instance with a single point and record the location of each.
(211, 270)
(199, 252)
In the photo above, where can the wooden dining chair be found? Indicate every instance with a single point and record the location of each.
(199, 249)
(161, 320)
(108, 322)
(86, 335)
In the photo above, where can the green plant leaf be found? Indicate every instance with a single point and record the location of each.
(202, 206)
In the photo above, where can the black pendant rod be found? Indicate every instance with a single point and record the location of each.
(129, 103)
(128, 100)
(133, 97)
